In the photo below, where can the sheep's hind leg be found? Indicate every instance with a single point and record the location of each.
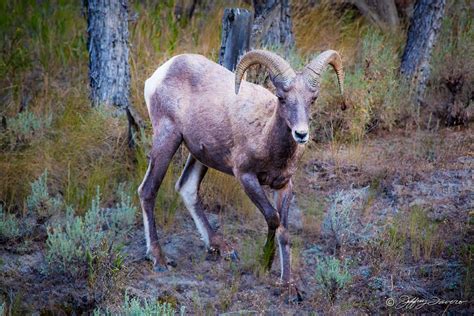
(282, 201)
(188, 187)
(165, 143)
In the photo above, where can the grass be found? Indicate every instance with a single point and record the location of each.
(332, 276)
(393, 245)
(250, 254)
(134, 307)
(226, 194)
(410, 237)
(425, 240)
(314, 209)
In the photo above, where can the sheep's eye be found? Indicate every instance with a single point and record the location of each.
(281, 99)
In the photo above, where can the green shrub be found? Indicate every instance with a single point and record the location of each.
(78, 242)
(122, 217)
(374, 93)
(9, 227)
(332, 276)
(341, 222)
(136, 307)
(39, 202)
(23, 129)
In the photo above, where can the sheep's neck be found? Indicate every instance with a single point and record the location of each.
(282, 145)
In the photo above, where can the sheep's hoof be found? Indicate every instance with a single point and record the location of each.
(294, 298)
(213, 254)
(292, 294)
(159, 268)
(161, 265)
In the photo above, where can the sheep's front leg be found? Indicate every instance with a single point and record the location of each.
(255, 192)
(282, 201)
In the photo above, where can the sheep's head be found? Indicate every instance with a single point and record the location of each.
(295, 91)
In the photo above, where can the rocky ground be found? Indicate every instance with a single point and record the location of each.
(357, 204)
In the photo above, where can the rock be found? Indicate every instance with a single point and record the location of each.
(295, 216)
(213, 221)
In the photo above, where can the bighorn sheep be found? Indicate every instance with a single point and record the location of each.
(236, 127)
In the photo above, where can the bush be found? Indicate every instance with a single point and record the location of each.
(341, 221)
(135, 307)
(9, 227)
(23, 129)
(332, 276)
(374, 93)
(122, 217)
(450, 89)
(39, 202)
(79, 241)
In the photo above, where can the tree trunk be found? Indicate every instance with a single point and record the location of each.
(382, 13)
(422, 33)
(236, 30)
(272, 26)
(184, 10)
(109, 70)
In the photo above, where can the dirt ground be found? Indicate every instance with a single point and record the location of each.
(385, 178)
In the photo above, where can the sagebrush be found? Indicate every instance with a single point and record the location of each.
(78, 241)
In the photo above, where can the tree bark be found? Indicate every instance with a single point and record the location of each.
(422, 33)
(382, 13)
(236, 30)
(184, 10)
(109, 70)
(272, 26)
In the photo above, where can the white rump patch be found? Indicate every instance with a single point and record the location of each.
(155, 80)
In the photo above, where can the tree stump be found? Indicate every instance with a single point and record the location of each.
(273, 26)
(236, 30)
(109, 70)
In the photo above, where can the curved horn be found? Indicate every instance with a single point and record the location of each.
(317, 66)
(280, 71)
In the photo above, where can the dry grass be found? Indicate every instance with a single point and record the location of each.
(86, 148)
(324, 27)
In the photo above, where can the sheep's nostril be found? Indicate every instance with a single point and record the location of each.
(301, 135)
